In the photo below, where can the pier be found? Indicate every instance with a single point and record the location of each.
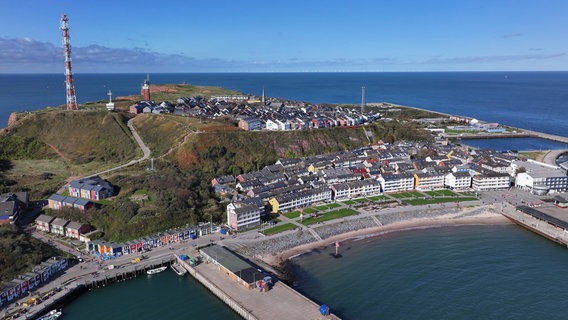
(545, 224)
(280, 302)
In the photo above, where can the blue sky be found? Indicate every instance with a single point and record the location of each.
(286, 36)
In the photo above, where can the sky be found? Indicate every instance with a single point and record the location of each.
(121, 36)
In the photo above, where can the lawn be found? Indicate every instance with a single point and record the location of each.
(349, 202)
(309, 210)
(293, 214)
(405, 195)
(417, 202)
(279, 228)
(326, 207)
(329, 216)
(441, 193)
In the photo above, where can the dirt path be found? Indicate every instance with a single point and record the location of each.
(58, 152)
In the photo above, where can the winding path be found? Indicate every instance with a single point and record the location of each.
(145, 151)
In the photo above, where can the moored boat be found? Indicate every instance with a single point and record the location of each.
(178, 269)
(51, 315)
(157, 270)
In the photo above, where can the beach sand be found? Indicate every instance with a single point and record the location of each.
(488, 217)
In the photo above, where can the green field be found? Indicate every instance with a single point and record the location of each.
(418, 202)
(405, 195)
(441, 193)
(279, 228)
(349, 202)
(330, 216)
(293, 214)
(309, 210)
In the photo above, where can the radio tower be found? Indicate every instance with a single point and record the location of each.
(362, 99)
(70, 89)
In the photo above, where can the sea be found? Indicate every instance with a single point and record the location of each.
(457, 272)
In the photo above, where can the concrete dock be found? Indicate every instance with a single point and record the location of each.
(281, 302)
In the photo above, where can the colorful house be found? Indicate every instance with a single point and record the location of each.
(43, 222)
(94, 188)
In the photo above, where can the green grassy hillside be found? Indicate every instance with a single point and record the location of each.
(44, 148)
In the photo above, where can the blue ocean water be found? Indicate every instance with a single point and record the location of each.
(522, 144)
(463, 272)
(531, 100)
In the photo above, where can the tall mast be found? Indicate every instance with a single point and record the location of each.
(362, 99)
(69, 86)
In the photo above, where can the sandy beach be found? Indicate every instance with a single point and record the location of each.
(486, 216)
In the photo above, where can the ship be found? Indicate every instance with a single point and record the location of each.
(157, 270)
(51, 315)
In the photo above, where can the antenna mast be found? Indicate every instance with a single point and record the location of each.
(362, 99)
(70, 88)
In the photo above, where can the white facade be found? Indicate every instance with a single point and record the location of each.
(482, 182)
(241, 216)
(458, 181)
(427, 181)
(396, 182)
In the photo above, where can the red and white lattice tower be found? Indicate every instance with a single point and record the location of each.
(70, 89)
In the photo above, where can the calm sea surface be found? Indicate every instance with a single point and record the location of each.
(473, 272)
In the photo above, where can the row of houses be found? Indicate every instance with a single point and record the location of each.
(107, 249)
(40, 275)
(379, 168)
(58, 202)
(62, 227)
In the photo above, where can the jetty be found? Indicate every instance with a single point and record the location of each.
(547, 224)
(279, 302)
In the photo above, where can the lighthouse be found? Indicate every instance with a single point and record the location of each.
(145, 92)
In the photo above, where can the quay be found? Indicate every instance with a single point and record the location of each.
(280, 302)
(547, 224)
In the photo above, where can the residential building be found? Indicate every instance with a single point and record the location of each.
(459, 180)
(428, 181)
(242, 216)
(396, 182)
(12, 204)
(94, 188)
(490, 181)
(43, 222)
(58, 226)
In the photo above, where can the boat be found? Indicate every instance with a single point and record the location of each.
(51, 315)
(157, 270)
(178, 269)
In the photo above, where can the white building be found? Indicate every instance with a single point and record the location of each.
(490, 181)
(538, 177)
(396, 182)
(242, 216)
(458, 180)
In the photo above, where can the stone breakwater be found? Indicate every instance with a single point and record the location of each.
(423, 216)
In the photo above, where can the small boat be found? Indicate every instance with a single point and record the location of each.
(51, 315)
(178, 269)
(157, 270)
